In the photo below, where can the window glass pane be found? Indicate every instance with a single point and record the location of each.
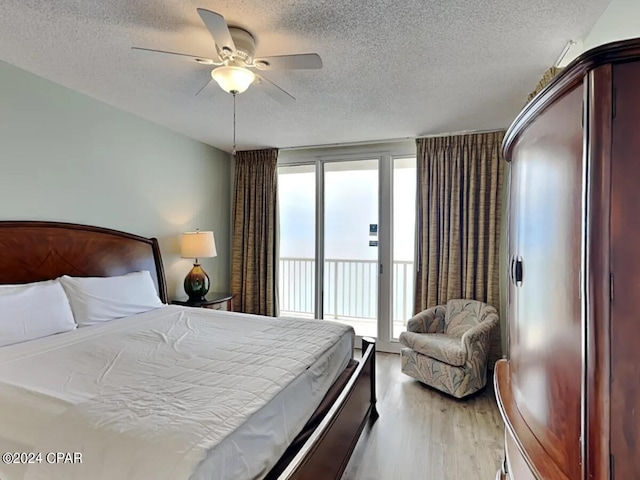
(404, 222)
(350, 244)
(297, 200)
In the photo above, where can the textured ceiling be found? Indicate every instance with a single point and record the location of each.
(392, 68)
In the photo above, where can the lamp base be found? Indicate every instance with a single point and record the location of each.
(196, 283)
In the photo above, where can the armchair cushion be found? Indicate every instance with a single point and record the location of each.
(430, 320)
(440, 346)
(463, 315)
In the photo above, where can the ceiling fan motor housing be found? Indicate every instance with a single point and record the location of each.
(245, 47)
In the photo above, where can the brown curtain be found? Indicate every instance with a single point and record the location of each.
(544, 81)
(458, 221)
(254, 238)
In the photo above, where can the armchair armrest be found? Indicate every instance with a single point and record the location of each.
(478, 337)
(430, 320)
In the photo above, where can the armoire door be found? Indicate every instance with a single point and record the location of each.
(546, 333)
(514, 213)
(625, 268)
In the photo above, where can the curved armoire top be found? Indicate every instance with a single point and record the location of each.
(572, 75)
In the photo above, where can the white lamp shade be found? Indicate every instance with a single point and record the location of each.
(233, 79)
(198, 245)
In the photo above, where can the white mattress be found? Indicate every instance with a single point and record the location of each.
(175, 393)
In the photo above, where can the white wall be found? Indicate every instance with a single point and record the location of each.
(67, 157)
(619, 21)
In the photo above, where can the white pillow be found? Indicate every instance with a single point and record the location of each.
(32, 311)
(100, 299)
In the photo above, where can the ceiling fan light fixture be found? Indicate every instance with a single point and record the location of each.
(233, 79)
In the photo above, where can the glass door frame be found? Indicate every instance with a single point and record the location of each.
(385, 154)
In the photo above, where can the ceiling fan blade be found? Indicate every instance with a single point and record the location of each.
(274, 91)
(305, 61)
(204, 86)
(219, 30)
(202, 60)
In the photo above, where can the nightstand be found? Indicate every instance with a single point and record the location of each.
(213, 300)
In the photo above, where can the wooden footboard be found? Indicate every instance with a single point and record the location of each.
(326, 454)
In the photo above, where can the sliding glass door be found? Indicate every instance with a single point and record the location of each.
(347, 228)
(350, 292)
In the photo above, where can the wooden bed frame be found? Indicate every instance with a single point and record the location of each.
(35, 251)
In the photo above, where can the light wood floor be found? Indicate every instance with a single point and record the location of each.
(424, 435)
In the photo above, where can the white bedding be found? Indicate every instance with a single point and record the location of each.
(175, 393)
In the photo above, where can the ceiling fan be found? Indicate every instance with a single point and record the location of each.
(235, 50)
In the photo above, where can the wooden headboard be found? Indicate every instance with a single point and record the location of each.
(35, 251)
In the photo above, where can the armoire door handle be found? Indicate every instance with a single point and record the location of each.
(518, 271)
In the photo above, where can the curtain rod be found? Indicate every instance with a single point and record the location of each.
(462, 132)
(389, 140)
(570, 44)
(347, 144)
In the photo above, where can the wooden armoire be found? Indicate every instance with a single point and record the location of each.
(569, 391)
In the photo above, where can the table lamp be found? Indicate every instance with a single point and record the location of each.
(197, 245)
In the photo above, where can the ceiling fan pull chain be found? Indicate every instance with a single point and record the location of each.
(233, 152)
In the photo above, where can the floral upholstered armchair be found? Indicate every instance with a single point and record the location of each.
(447, 346)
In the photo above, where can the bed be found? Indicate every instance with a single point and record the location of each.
(160, 394)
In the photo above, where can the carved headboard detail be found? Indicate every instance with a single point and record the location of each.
(35, 251)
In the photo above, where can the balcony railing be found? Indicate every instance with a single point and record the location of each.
(350, 288)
